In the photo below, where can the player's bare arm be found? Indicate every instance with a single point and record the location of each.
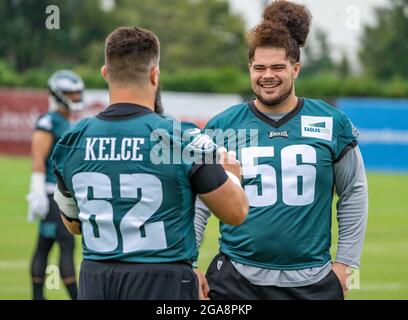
(40, 148)
(229, 202)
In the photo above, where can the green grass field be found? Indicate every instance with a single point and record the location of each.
(384, 267)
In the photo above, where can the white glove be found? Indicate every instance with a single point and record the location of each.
(38, 203)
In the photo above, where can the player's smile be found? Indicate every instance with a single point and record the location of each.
(269, 87)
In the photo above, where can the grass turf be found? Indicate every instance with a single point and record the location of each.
(384, 265)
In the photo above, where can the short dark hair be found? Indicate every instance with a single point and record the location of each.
(285, 25)
(130, 52)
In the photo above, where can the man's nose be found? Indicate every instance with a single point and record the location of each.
(269, 73)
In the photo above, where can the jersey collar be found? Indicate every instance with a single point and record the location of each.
(283, 120)
(121, 111)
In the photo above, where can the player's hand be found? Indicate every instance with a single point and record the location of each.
(203, 288)
(342, 272)
(38, 206)
(229, 162)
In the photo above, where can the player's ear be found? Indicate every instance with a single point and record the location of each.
(104, 73)
(296, 69)
(154, 75)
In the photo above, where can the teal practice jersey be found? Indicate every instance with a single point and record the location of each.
(54, 123)
(288, 178)
(124, 170)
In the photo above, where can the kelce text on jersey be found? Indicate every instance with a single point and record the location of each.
(104, 149)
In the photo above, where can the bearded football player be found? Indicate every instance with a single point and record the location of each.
(136, 214)
(305, 148)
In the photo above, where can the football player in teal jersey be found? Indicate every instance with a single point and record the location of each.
(304, 149)
(128, 180)
(65, 95)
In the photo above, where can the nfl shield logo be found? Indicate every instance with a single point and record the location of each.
(219, 264)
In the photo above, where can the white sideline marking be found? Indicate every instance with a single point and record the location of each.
(382, 286)
(13, 264)
(14, 289)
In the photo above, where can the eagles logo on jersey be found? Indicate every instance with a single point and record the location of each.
(288, 178)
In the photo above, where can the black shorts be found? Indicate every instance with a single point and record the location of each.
(227, 283)
(52, 227)
(115, 280)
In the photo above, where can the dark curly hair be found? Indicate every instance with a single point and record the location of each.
(285, 25)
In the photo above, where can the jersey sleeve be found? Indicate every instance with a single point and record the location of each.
(346, 138)
(62, 153)
(45, 123)
(222, 135)
(211, 126)
(58, 158)
(62, 195)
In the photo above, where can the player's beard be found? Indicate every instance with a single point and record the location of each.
(158, 106)
(275, 101)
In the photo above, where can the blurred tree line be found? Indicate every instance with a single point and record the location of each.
(193, 33)
(384, 46)
(203, 46)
